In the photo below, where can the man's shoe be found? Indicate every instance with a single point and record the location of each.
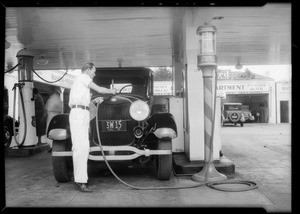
(83, 187)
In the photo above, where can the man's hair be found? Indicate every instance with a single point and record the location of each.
(87, 66)
(35, 91)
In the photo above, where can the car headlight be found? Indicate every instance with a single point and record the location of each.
(139, 110)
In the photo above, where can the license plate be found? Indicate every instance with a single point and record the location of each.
(113, 125)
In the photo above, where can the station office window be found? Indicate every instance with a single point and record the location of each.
(163, 81)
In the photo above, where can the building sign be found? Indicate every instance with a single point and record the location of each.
(162, 87)
(227, 74)
(243, 88)
(224, 75)
(284, 87)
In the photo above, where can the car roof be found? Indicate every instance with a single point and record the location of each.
(232, 103)
(135, 75)
(123, 71)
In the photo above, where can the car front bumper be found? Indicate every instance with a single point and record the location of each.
(112, 150)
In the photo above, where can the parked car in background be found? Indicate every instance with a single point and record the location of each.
(130, 125)
(247, 113)
(232, 114)
(7, 122)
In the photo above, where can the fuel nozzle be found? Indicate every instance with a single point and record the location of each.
(20, 85)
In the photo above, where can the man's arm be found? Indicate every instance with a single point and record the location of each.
(101, 90)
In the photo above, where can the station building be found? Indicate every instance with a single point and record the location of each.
(283, 102)
(262, 94)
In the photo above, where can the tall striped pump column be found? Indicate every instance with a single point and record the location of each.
(207, 63)
(25, 75)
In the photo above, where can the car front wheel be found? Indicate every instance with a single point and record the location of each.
(164, 162)
(62, 166)
(7, 134)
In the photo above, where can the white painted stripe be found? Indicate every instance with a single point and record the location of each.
(208, 98)
(208, 111)
(207, 125)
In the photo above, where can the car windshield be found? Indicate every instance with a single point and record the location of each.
(129, 88)
(232, 107)
(126, 85)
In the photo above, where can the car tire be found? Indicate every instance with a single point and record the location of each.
(8, 133)
(62, 167)
(233, 120)
(164, 162)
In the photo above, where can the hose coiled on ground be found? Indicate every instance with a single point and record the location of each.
(251, 185)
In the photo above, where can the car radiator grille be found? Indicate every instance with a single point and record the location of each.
(119, 111)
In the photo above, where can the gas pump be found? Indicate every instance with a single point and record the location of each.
(207, 62)
(27, 130)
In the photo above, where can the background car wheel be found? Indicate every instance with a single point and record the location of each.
(8, 133)
(164, 162)
(62, 166)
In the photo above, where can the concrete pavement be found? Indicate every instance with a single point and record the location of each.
(260, 152)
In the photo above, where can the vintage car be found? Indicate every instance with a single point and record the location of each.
(232, 113)
(7, 122)
(131, 125)
(247, 113)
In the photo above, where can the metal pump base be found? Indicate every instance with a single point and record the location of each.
(213, 174)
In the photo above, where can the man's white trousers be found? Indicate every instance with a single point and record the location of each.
(79, 126)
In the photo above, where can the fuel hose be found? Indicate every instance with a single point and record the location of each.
(132, 186)
(24, 114)
(220, 185)
(214, 185)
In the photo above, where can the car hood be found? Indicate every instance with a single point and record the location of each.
(122, 98)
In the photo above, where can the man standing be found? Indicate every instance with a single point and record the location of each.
(40, 115)
(79, 121)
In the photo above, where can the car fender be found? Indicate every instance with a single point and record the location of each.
(59, 127)
(8, 120)
(164, 125)
(242, 119)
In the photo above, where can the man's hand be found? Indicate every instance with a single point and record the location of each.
(113, 91)
(98, 99)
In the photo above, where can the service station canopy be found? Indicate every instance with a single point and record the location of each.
(146, 36)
